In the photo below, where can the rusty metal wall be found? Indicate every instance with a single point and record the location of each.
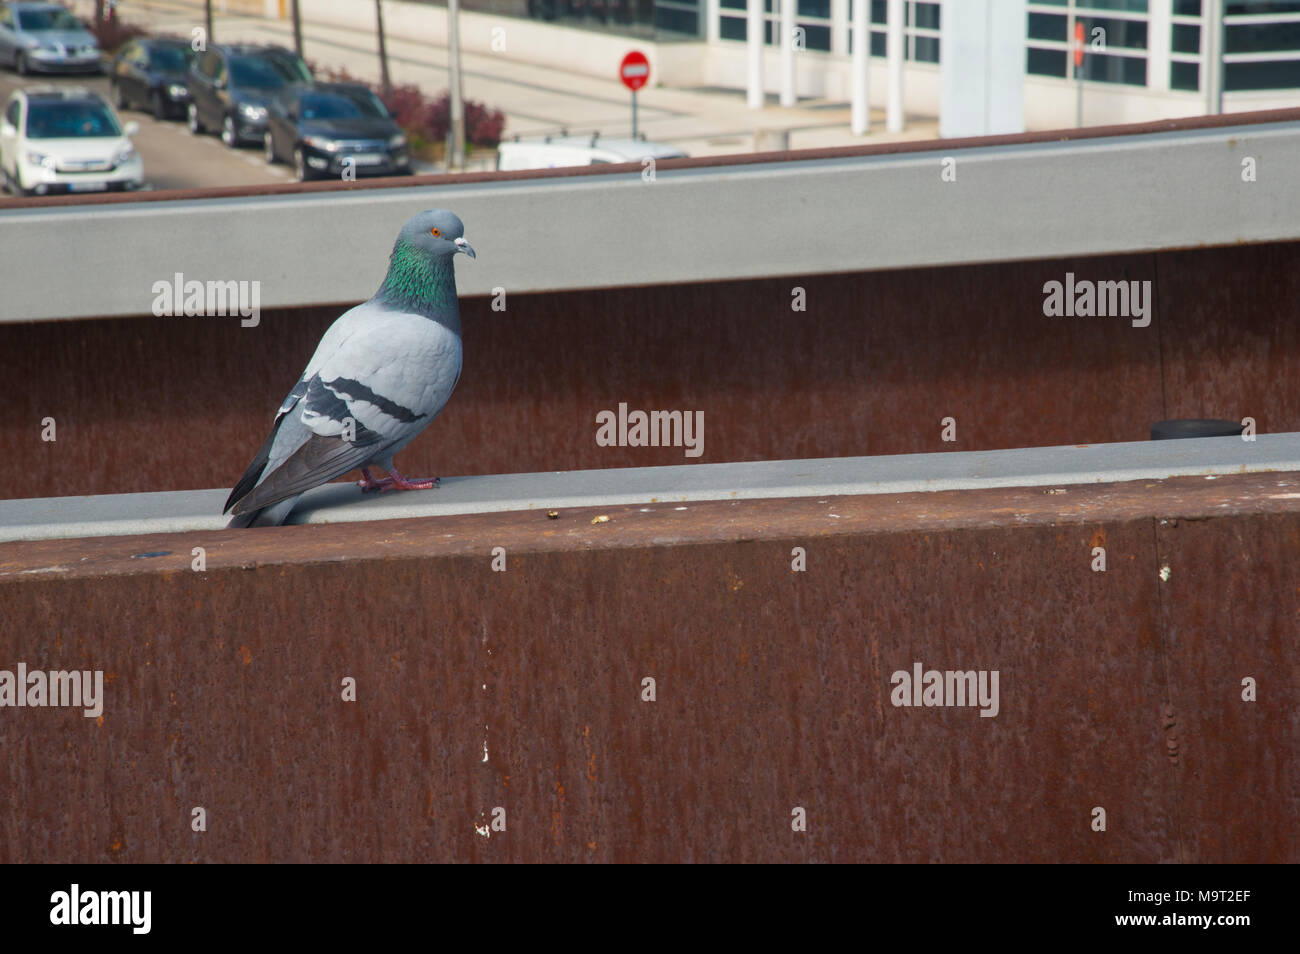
(1116, 689)
(872, 366)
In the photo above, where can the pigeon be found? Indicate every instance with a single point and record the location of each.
(380, 375)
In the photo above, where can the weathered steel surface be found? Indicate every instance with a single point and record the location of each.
(872, 367)
(772, 686)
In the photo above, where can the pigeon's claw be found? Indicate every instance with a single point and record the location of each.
(368, 483)
(395, 481)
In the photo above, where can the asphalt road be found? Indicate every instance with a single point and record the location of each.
(173, 159)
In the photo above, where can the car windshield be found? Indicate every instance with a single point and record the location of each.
(50, 18)
(341, 106)
(169, 58)
(290, 67)
(70, 120)
(253, 71)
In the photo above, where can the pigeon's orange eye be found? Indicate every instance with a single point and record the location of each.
(435, 231)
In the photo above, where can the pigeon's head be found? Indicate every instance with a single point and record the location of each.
(436, 232)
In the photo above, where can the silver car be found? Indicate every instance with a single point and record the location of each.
(45, 37)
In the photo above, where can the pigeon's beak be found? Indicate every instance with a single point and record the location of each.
(463, 246)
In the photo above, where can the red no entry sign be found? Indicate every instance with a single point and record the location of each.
(634, 71)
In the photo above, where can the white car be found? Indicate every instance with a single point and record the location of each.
(65, 140)
(556, 152)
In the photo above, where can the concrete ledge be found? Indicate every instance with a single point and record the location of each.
(786, 216)
(179, 511)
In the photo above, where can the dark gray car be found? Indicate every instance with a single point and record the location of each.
(232, 85)
(45, 37)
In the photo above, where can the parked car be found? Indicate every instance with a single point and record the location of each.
(319, 127)
(45, 37)
(65, 140)
(231, 85)
(554, 152)
(152, 73)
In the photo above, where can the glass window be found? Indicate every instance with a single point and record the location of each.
(1101, 68)
(1125, 34)
(169, 57)
(1045, 62)
(1186, 38)
(1184, 76)
(70, 120)
(676, 21)
(256, 72)
(50, 18)
(1048, 26)
(1276, 74)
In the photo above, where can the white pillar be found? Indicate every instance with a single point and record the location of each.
(894, 39)
(1212, 56)
(712, 23)
(754, 45)
(839, 27)
(786, 41)
(1159, 43)
(861, 112)
(982, 68)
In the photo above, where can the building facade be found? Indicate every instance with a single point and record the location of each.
(1144, 59)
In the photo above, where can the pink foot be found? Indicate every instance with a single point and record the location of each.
(394, 481)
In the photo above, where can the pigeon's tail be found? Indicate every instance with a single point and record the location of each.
(272, 516)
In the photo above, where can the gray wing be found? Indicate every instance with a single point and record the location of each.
(299, 457)
(361, 395)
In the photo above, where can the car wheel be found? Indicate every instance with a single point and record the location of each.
(268, 149)
(300, 170)
(158, 105)
(196, 127)
(20, 63)
(228, 132)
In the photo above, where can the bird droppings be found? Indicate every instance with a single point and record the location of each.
(1059, 490)
(679, 508)
(484, 830)
(552, 515)
(603, 518)
(1164, 573)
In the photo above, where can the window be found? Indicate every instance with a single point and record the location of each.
(920, 30)
(1185, 46)
(1261, 44)
(1115, 34)
(51, 18)
(70, 119)
(813, 17)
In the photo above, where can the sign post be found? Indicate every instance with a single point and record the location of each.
(1078, 73)
(634, 71)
